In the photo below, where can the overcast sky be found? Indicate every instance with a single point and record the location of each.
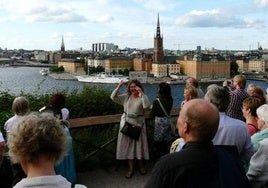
(185, 24)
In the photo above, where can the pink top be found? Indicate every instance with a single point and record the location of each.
(252, 129)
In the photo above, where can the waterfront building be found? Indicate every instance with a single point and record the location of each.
(114, 64)
(256, 65)
(204, 67)
(41, 56)
(143, 63)
(138, 75)
(91, 62)
(72, 66)
(101, 47)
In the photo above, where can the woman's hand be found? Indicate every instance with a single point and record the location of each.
(120, 84)
(138, 89)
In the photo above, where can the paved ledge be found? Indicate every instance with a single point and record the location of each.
(114, 178)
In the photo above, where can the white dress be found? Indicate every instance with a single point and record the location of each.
(128, 148)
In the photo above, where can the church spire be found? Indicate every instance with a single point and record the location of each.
(62, 48)
(158, 34)
(158, 55)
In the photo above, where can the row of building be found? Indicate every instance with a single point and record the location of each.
(156, 62)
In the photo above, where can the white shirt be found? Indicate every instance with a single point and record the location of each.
(44, 182)
(11, 122)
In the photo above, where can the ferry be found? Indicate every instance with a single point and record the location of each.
(102, 78)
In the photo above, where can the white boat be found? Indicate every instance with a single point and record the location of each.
(44, 72)
(102, 78)
(175, 82)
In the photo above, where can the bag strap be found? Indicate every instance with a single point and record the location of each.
(162, 107)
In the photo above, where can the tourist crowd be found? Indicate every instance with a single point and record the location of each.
(221, 138)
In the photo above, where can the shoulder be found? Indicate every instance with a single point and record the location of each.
(229, 121)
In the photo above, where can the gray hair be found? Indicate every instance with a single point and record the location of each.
(219, 96)
(262, 113)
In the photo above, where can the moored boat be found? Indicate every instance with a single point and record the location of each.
(44, 72)
(174, 82)
(102, 78)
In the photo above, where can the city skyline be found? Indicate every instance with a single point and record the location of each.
(222, 24)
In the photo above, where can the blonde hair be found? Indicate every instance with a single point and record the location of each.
(37, 135)
(20, 106)
(241, 80)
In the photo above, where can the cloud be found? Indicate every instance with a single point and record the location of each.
(261, 3)
(104, 19)
(214, 18)
(157, 5)
(52, 11)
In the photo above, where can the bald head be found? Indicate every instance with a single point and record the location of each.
(198, 120)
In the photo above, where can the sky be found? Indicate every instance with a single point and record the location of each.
(185, 24)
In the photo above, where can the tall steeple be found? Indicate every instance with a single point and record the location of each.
(62, 48)
(158, 55)
(158, 34)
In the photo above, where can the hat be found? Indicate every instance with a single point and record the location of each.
(262, 112)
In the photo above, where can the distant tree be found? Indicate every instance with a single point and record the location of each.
(233, 68)
(99, 69)
(56, 69)
(126, 72)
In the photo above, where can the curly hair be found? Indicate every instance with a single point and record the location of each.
(37, 135)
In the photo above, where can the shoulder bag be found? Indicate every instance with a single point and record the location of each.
(130, 130)
(172, 124)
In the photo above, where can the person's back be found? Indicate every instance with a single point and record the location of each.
(194, 166)
(230, 131)
(199, 163)
(258, 168)
(234, 132)
(237, 97)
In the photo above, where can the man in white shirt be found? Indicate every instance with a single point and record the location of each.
(231, 131)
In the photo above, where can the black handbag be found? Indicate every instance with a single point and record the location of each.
(131, 130)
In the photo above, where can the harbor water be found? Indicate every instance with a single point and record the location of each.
(17, 80)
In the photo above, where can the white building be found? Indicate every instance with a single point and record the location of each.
(138, 75)
(96, 62)
(101, 47)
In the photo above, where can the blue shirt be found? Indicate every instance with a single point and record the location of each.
(234, 132)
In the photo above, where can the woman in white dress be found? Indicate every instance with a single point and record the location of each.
(135, 102)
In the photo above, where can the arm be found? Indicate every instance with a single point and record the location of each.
(115, 94)
(258, 162)
(144, 98)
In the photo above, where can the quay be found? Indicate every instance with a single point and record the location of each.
(69, 76)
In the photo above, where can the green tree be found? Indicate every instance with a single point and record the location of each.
(233, 68)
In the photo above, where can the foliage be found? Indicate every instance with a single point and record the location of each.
(90, 101)
(56, 69)
(93, 70)
(234, 68)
